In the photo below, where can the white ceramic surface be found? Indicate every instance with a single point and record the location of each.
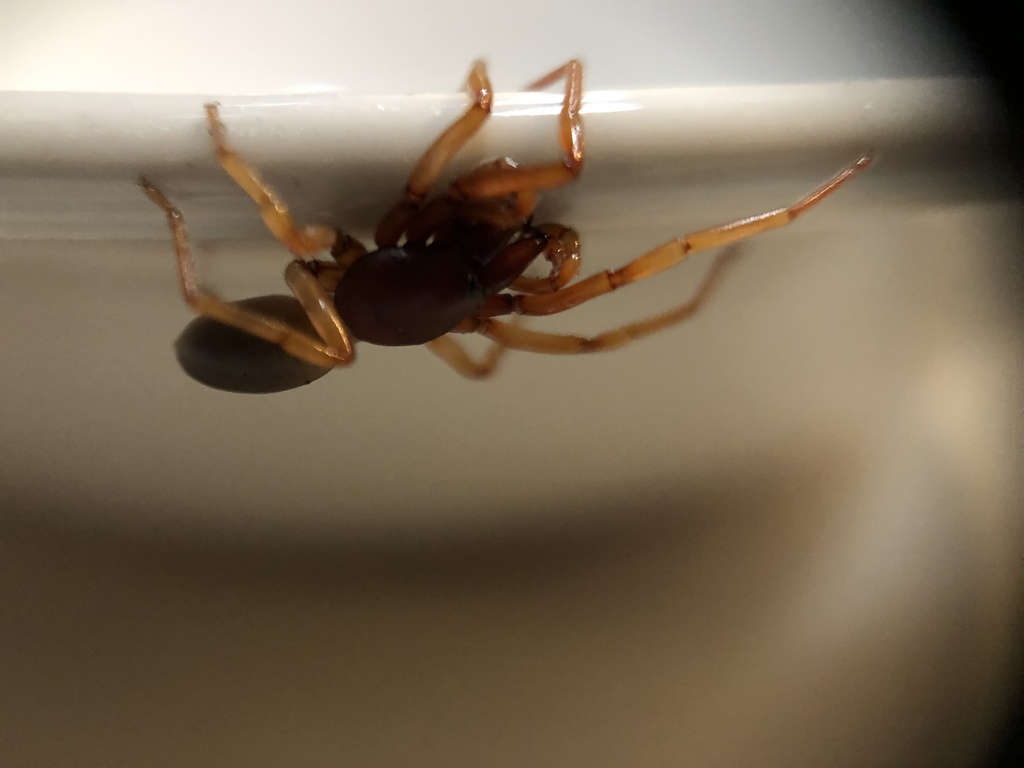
(398, 47)
(821, 469)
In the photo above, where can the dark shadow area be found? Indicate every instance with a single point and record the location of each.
(199, 652)
(606, 525)
(989, 33)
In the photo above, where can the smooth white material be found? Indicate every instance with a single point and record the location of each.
(71, 160)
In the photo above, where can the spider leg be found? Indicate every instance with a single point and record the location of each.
(346, 250)
(513, 336)
(455, 355)
(319, 308)
(562, 253)
(507, 211)
(430, 165)
(334, 346)
(487, 182)
(670, 254)
(303, 242)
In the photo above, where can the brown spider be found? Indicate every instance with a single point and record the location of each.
(441, 267)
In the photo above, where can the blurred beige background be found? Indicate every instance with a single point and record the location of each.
(769, 624)
(844, 590)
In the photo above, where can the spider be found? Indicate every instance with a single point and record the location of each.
(443, 265)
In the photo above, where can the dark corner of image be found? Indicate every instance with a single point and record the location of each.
(987, 32)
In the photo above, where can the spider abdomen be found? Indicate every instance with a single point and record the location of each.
(400, 296)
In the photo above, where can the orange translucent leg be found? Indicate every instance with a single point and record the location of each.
(498, 182)
(513, 336)
(334, 348)
(671, 253)
(453, 353)
(433, 161)
(303, 242)
(562, 253)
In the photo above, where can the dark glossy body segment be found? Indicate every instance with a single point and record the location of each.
(404, 296)
(415, 293)
(226, 358)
